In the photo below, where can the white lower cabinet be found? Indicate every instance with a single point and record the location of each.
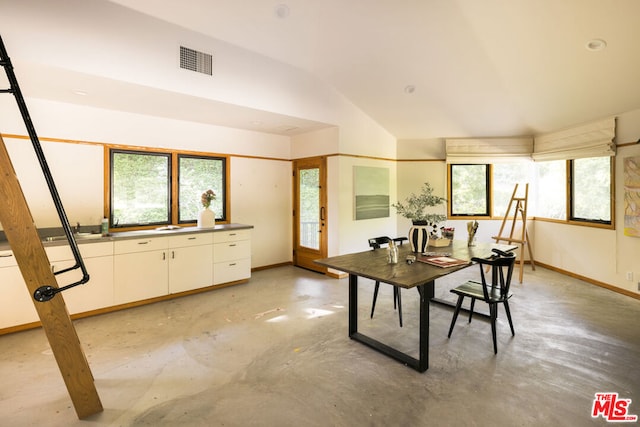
(131, 270)
(231, 256)
(98, 291)
(16, 304)
(190, 262)
(140, 269)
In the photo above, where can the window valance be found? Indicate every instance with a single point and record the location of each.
(488, 150)
(594, 139)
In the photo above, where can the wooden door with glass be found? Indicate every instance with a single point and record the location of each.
(310, 212)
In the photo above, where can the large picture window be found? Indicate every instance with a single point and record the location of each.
(148, 188)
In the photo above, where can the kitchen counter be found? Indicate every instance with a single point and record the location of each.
(87, 238)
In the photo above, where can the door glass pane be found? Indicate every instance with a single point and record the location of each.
(309, 208)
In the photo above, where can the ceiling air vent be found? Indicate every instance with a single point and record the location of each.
(193, 60)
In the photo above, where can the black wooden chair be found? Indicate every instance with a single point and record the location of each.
(377, 243)
(493, 293)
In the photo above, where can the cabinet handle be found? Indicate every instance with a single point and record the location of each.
(143, 243)
(6, 255)
(164, 256)
(173, 254)
(232, 234)
(232, 264)
(233, 244)
(191, 238)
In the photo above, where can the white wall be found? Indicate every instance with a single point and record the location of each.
(598, 254)
(260, 184)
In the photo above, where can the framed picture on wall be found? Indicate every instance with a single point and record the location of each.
(371, 192)
(632, 196)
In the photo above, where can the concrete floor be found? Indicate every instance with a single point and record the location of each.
(275, 352)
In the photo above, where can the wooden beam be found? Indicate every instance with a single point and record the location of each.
(33, 262)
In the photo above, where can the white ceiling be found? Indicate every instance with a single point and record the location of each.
(479, 67)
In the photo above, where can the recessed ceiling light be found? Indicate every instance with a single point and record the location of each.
(282, 11)
(409, 89)
(596, 45)
(80, 92)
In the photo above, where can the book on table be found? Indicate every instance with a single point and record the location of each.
(442, 261)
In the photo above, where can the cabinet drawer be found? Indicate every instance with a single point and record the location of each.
(7, 259)
(231, 250)
(141, 245)
(225, 272)
(185, 240)
(87, 250)
(231, 236)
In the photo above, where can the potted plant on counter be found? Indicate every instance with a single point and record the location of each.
(419, 209)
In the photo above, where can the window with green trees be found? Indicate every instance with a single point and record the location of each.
(161, 188)
(591, 189)
(469, 190)
(197, 174)
(485, 190)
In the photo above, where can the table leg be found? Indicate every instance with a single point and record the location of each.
(422, 363)
(353, 304)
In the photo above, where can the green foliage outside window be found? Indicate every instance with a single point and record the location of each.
(140, 188)
(197, 175)
(469, 190)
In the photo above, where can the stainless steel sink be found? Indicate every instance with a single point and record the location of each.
(78, 236)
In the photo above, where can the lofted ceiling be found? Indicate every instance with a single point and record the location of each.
(477, 68)
(434, 68)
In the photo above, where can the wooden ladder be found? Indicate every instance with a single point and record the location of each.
(22, 235)
(519, 205)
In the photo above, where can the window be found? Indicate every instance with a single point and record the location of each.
(591, 189)
(587, 199)
(140, 188)
(161, 188)
(551, 194)
(197, 174)
(469, 190)
(505, 177)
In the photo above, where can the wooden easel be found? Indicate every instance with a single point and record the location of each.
(520, 207)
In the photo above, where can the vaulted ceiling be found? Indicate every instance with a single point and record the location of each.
(442, 68)
(434, 68)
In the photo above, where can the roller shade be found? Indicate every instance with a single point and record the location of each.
(488, 150)
(594, 139)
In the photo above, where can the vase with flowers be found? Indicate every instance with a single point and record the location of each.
(206, 217)
(419, 209)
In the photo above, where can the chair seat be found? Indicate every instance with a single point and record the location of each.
(493, 292)
(474, 290)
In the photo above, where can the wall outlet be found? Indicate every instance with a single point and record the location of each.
(630, 276)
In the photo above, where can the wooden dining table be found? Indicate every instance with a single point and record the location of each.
(374, 265)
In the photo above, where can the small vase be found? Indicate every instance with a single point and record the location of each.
(206, 218)
(419, 237)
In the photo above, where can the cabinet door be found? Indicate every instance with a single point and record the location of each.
(96, 293)
(140, 275)
(190, 268)
(16, 304)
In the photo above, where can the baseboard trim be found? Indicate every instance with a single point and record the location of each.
(589, 280)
